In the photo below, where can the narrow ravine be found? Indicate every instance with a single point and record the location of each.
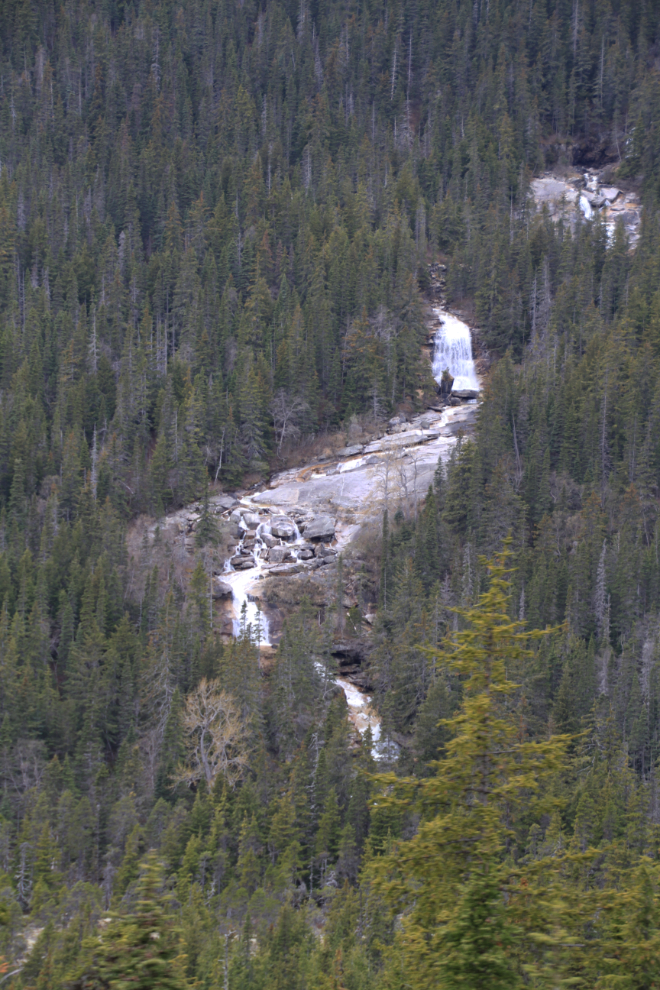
(280, 530)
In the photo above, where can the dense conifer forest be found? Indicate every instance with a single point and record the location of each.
(216, 225)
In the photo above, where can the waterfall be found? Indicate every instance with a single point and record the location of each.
(453, 350)
(242, 580)
(361, 712)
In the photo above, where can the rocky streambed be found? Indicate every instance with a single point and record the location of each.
(586, 194)
(286, 537)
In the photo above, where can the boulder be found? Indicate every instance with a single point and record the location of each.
(352, 451)
(465, 393)
(235, 518)
(283, 527)
(609, 192)
(221, 590)
(446, 383)
(251, 520)
(283, 569)
(243, 563)
(305, 554)
(277, 555)
(224, 501)
(320, 528)
(326, 552)
(269, 540)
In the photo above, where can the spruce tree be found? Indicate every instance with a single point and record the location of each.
(449, 880)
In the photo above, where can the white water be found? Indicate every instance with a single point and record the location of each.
(586, 208)
(361, 713)
(453, 350)
(242, 580)
(363, 717)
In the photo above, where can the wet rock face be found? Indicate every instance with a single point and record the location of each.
(352, 657)
(579, 194)
(221, 590)
(320, 528)
(286, 591)
(446, 383)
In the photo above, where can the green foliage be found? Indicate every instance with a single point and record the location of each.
(449, 879)
(215, 226)
(138, 949)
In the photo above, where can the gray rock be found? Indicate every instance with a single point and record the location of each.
(320, 528)
(269, 540)
(465, 393)
(224, 501)
(353, 450)
(251, 520)
(283, 527)
(609, 192)
(279, 554)
(283, 569)
(221, 590)
(235, 518)
(243, 563)
(305, 554)
(326, 552)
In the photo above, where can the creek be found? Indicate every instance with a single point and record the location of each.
(345, 487)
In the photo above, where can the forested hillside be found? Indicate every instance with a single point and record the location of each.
(216, 221)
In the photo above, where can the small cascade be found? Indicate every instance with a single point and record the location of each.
(362, 717)
(586, 207)
(241, 580)
(453, 350)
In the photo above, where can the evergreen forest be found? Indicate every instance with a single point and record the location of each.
(217, 221)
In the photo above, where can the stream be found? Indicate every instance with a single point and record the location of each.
(338, 487)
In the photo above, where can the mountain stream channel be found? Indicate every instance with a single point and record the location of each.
(303, 518)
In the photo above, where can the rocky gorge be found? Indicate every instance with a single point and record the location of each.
(297, 538)
(588, 194)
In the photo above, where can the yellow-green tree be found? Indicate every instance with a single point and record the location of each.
(451, 883)
(140, 949)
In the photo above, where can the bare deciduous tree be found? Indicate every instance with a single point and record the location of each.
(215, 731)
(286, 411)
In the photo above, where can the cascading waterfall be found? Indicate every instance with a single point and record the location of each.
(247, 611)
(453, 350)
